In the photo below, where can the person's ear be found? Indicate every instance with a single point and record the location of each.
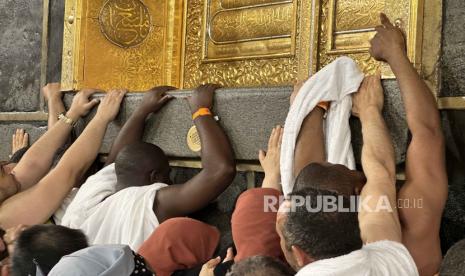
(301, 257)
(154, 177)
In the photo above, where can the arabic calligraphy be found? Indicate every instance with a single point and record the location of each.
(126, 23)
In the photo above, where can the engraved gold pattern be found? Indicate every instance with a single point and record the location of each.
(193, 140)
(275, 65)
(241, 43)
(230, 4)
(248, 24)
(126, 23)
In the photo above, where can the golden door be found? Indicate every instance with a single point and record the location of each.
(138, 44)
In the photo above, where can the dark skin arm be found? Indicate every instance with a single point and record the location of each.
(218, 166)
(426, 178)
(310, 144)
(133, 129)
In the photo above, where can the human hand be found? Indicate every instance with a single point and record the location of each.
(20, 140)
(52, 91)
(155, 98)
(110, 105)
(202, 97)
(270, 160)
(208, 269)
(370, 95)
(389, 41)
(81, 104)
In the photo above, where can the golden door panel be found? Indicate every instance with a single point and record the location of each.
(346, 27)
(122, 43)
(246, 42)
(141, 43)
(248, 31)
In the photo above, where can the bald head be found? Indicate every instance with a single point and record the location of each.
(331, 177)
(141, 164)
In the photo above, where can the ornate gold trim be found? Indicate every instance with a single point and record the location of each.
(457, 103)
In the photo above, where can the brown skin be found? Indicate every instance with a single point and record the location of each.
(218, 165)
(133, 129)
(426, 177)
(19, 140)
(310, 148)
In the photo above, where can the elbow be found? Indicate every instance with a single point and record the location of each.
(223, 172)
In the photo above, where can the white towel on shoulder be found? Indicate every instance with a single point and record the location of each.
(333, 83)
(110, 217)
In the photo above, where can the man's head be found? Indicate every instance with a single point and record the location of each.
(309, 233)
(331, 177)
(260, 266)
(43, 246)
(141, 164)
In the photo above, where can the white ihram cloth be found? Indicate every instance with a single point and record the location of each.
(110, 217)
(382, 258)
(333, 83)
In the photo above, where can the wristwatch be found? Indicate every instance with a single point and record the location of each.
(62, 117)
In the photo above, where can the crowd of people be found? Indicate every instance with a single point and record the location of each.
(129, 218)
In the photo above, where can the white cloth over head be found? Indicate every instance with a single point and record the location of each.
(382, 258)
(110, 217)
(333, 83)
(108, 260)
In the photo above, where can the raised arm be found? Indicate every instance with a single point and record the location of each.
(37, 161)
(378, 218)
(425, 164)
(270, 160)
(218, 166)
(425, 188)
(37, 204)
(133, 129)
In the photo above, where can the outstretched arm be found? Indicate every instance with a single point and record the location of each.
(133, 129)
(378, 163)
(425, 164)
(37, 161)
(426, 178)
(218, 167)
(37, 204)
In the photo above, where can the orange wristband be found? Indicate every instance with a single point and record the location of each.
(203, 111)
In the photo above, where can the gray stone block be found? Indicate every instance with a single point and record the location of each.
(453, 58)
(247, 115)
(20, 54)
(35, 130)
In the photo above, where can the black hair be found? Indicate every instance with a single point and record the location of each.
(260, 266)
(321, 234)
(44, 246)
(454, 261)
(331, 178)
(136, 163)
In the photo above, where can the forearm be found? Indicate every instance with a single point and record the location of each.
(37, 204)
(420, 104)
(86, 148)
(216, 150)
(310, 146)
(132, 131)
(378, 163)
(378, 150)
(39, 158)
(55, 107)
